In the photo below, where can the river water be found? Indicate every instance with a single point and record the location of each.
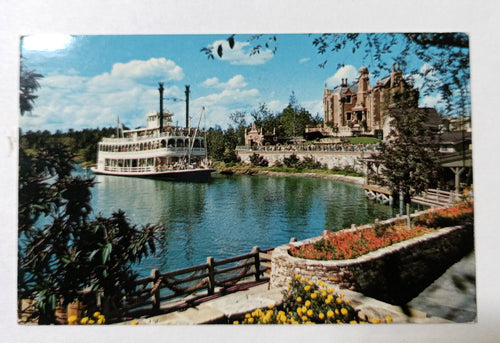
(231, 214)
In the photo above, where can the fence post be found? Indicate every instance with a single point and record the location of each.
(211, 275)
(256, 250)
(155, 274)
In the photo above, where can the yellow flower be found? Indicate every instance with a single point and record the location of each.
(247, 315)
(321, 283)
(307, 288)
(250, 320)
(330, 290)
(329, 314)
(270, 306)
(323, 294)
(321, 316)
(91, 321)
(353, 322)
(388, 319)
(72, 320)
(101, 320)
(339, 301)
(97, 314)
(84, 320)
(314, 296)
(299, 299)
(341, 295)
(310, 313)
(308, 303)
(299, 311)
(375, 321)
(310, 283)
(236, 322)
(337, 311)
(328, 301)
(297, 277)
(344, 311)
(305, 319)
(135, 322)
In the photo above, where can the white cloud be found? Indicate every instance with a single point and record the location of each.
(348, 72)
(235, 82)
(128, 91)
(240, 53)
(155, 67)
(304, 60)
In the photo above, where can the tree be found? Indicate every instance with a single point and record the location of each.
(72, 252)
(409, 155)
(28, 85)
(295, 118)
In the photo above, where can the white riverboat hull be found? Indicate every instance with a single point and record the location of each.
(190, 175)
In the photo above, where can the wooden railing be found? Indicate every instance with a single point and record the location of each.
(156, 294)
(436, 197)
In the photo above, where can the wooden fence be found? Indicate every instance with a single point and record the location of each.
(436, 197)
(158, 293)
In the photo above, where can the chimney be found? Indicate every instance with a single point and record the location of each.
(187, 105)
(161, 105)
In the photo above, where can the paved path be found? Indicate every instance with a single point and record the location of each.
(453, 295)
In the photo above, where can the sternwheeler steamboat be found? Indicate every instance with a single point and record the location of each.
(158, 151)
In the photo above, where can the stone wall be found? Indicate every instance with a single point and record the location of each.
(333, 159)
(394, 274)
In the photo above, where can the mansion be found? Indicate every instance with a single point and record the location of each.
(358, 109)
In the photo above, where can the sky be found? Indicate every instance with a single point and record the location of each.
(91, 81)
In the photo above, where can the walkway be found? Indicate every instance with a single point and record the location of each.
(453, 295)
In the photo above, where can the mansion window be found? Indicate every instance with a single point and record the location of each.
(348, 99)
(348, 115)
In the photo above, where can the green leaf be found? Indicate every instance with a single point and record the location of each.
(106, 252)
(230, 40)
(219, 51)
(93, 254)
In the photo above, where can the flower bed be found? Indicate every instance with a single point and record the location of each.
(349, 244)
(392, 273)
(306, 302)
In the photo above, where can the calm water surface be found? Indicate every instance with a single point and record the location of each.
(232, 214)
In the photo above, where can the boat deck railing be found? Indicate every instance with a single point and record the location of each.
(144, 138)
(149, 169)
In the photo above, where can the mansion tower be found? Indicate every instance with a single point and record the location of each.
(360, 109)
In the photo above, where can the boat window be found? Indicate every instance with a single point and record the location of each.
(180, 143)
(163, 143)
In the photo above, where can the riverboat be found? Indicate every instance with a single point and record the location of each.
(158, 151)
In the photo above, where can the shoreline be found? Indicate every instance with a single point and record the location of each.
(344, 178)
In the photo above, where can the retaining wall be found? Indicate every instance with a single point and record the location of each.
(394, 274)
(333, 159)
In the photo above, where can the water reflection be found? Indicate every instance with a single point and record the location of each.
(230, 215)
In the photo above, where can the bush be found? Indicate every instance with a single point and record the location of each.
(292, 161)
(306, 302)
(257, 160)
(310, 163)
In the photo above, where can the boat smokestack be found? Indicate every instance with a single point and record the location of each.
(187, 105)
(161, 105)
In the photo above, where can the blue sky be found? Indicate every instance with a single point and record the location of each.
(91, 80)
